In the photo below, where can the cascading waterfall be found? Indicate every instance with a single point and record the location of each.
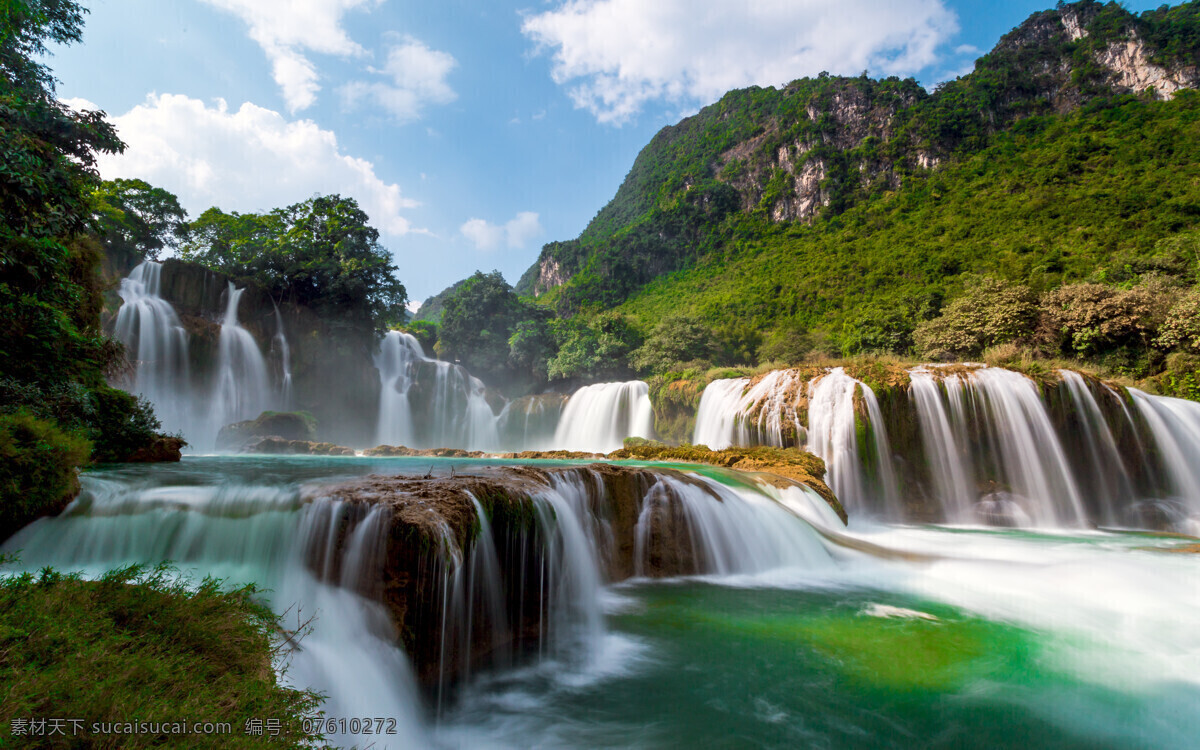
(259, 534)
(323, 556)
(832, 434)
(193, 402)
(1110, 483)
(719, 415)
(771, 412)
(599, 417)
(243, 389)
(947, 449)
(984, 444)
(157, 344)
(1028, 452)
(427, 403)
(395, 364)
(285, 362)
(1175, 425)
(731, 532)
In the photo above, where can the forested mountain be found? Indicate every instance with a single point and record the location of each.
(852, 208)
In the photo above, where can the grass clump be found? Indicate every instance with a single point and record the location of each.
(37, 469)
(140, 645)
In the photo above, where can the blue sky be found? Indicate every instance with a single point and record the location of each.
(472, 133)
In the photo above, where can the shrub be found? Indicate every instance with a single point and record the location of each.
(593, 348)
(876, 331)
(424, 331)
(676, 341)
(1087, 320)
(1181, 328)
(123, 423)
(990, 312)
(145, 643)
(37, 469)
(1182, 376)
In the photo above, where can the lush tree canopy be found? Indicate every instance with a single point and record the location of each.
(137, 220)
(321, 253)
(53, 401)
(47, 158)
(493, 332)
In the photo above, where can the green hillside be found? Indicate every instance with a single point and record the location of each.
(1105, 194)
(989, 164)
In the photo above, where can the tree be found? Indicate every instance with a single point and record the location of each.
(321, 253)
(47, 175)
(494, 333)
(51, 349)
(137, 220)
(676, 342)
(593, 348)
(477, 322)
(991, 312)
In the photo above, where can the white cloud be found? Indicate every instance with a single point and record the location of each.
(285, 30)
(617, 55)
(516, 233)
(417, 77)
(251, 159)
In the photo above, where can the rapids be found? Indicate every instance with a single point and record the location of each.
(801, 632)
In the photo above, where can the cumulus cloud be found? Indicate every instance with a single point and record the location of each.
(285, 31)
(517, 232)
(415, 76)
(617, 55)
(249, 159)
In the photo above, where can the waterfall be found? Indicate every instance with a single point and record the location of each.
(395, 361)
(243, 389)
(773, 411)
(427, 403)
(285, 363)
(1108, 481)
(718, 418)
(1175, 426)
(259, 534)
(318, 555)
(739, 411)
(992, 425)
(832, 434)
(731, 532)
(157, 344)
(978, 445)
(946, 447)
(599, 417)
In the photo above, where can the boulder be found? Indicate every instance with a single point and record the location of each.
(288, 425)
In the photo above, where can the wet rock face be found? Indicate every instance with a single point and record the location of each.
(461, 600)
(282, 447)
(165, 448)
(285, 425)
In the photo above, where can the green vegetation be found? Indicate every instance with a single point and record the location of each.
(141, 645)
(494, 333)
(320, 253)
(54, 404)
(1036, 171)
(433, 307)
(137, 220)
(1105, 196)
(37, 469)
(593, 348)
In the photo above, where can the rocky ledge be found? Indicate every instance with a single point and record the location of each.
(462, 600)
